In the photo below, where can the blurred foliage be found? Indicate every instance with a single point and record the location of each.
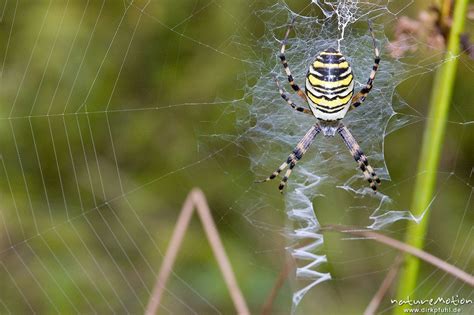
(107, 116)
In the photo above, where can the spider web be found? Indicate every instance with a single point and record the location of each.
(274, 129)
(97, 154)
(329, 163)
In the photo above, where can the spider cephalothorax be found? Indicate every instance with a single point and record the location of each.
(329, 93)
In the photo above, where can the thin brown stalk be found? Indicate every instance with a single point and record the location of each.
(433, 260)
(196, 200)
(285, 271)
(383, 289)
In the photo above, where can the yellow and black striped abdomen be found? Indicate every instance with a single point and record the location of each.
(329, 85)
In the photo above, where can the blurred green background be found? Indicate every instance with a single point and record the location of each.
(110, 113)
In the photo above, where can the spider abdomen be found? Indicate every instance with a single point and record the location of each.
(329, 85)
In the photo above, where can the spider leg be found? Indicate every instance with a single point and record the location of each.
(290, 102)
(282, 57)
(359, 98)
(294, 157)
(359, 157)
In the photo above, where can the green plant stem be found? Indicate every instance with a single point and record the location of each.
(431, 151)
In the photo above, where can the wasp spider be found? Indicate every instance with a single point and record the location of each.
(329, 92)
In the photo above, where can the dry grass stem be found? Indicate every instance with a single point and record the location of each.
(196, 200)
(384, 287)
(433, 260)
(285, 271)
